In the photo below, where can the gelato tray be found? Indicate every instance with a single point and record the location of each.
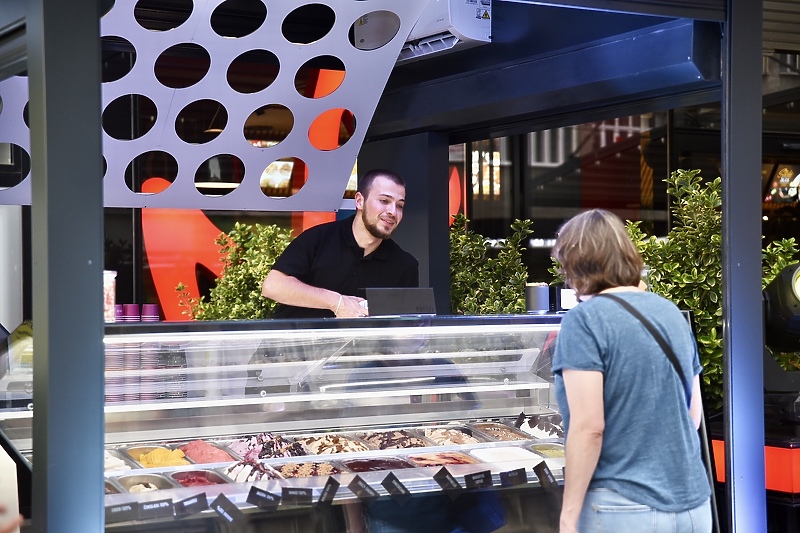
(452, 435)
(376, 464)
(145, 482)
(392, 439)
(501, 432)
(266, 446)
(330, 443)
(156, 456)
(248, 471)
(308, 469)
(204, 452)
(441, 459)
(197, 478)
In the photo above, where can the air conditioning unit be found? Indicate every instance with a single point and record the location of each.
(444, 26)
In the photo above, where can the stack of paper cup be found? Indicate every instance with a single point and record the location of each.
(130, 313)
(109, 294)
(150, 313)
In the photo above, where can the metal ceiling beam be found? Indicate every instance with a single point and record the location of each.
(692, 9)
(674, 58)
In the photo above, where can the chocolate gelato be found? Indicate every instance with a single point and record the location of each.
(386, 440)
(266, 446)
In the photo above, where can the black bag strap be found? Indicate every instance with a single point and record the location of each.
(659, 338)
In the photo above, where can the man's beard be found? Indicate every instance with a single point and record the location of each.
(373, 228)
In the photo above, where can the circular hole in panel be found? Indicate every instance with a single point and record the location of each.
(319, 76)
(182, 65)
(26, 116)
(1, 104)
(373, 30)
(268, 125)
(16, 165)
(219, 175)
(105, 166)
(284, 177)
(332, 129)
(151, 172)
(118, 57)
(129, 117)
(237, 18)
(253, 71)
(158, 15)
(105, 7)
(201, 121)
(308, 23)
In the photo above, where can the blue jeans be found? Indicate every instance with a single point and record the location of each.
(607, 511)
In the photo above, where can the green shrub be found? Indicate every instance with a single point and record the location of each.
(248, 253)
(480, 284)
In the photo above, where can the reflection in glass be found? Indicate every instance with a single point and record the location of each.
(161, 166)
(319, 76)
(219, 175)
(284, 177)
(182, 65)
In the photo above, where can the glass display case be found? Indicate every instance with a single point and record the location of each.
(286, 421)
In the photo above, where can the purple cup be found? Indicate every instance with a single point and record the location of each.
(119, 313)
(150, 313)
(130, 312)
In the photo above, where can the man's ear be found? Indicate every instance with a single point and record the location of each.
(359, 200)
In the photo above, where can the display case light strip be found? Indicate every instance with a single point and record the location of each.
(324, 335)
(345, 395)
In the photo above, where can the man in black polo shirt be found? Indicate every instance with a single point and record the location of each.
(324, 271)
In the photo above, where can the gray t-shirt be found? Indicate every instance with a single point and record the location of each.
(651, 450)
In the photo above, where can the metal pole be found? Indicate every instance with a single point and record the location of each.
(743, 332)
(67, 244)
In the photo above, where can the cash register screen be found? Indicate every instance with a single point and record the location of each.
(401, 301)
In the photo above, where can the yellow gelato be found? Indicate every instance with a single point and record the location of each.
(162, 457)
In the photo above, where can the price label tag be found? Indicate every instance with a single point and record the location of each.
(396, 489)
(190, 506)
(546, 478)
(362, 490)
(295, 496)
(263, 499)
(513, 477)
(478, 480)
(122, 513)
(448, 483)
(156, 509)
(328, 492)
(226, 509)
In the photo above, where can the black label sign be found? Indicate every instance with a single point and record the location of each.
(513, 477)
(546, 478)
(328, 492)
(122, 513)
(448, 483)
(295, 496)
(156, 509)
(478, 480)
(227, 509)
(362, 490)
(263, 499)
(190, 506)
(396, 489)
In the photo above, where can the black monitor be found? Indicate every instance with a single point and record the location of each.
(400, 301)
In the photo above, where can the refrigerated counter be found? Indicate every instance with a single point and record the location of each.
(222, 424)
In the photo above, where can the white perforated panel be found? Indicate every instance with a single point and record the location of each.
(366, 73)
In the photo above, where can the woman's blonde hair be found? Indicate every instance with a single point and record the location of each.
(596, 253)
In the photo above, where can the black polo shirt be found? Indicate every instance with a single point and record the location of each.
(329, 257)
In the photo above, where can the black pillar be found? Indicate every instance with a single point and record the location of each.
(422, 161)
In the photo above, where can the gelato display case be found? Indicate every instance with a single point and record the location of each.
(299, 423)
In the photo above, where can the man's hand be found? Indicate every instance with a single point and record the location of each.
(350, 307)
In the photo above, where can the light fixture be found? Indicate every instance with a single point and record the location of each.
(211, 128)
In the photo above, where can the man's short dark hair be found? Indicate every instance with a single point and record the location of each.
(365, 183)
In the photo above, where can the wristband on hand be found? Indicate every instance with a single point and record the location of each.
(338, 305)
